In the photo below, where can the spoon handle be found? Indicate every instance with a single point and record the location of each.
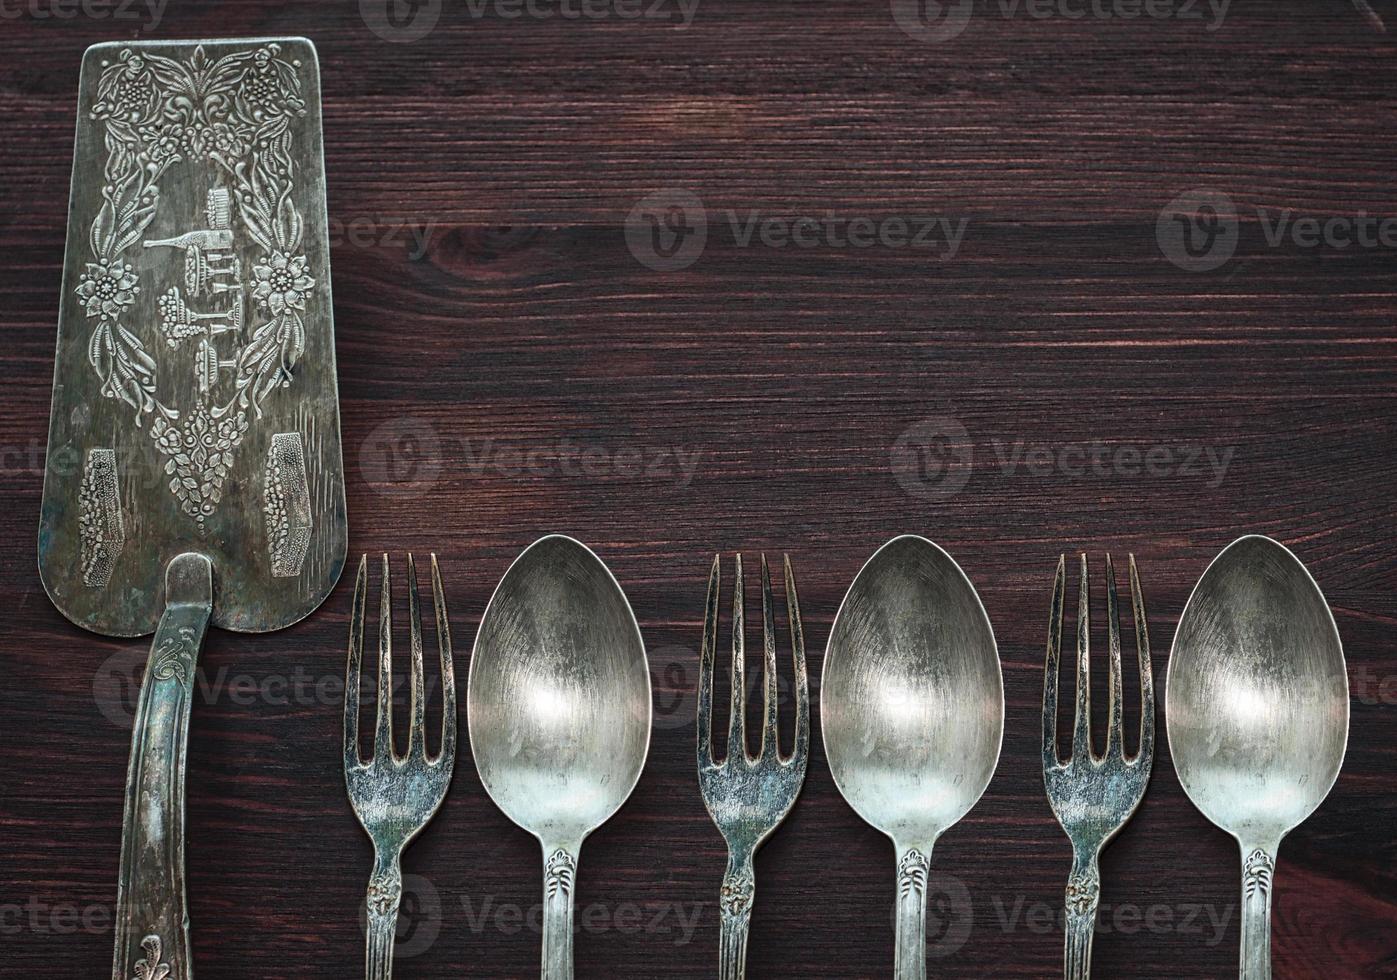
(559, 877)
(1082, 898)
(913, 869)
(735, 904)
(1258, 867)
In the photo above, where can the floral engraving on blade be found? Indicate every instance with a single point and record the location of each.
(558, 873)
(1256, 873)
(1083, 893)
(225, 125)
(174, 657)
(286, 504)
(912, 873)
(101, 531)
(385, 894)
(152, 966)
(737, 896)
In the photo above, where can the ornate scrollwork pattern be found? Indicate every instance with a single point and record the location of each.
(558, 873)
(236, 113)
(738, 893)
(1083, 893)
(913, 872)
(174, 657)
(1257, 872)
(152, 966)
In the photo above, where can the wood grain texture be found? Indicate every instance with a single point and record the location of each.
(784, 377)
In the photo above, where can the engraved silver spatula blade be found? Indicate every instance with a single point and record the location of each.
(194, 400)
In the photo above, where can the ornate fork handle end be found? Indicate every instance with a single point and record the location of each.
(735, 916)
(1082, 899)
(385, 895)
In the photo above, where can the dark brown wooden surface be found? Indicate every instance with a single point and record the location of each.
(788, 374)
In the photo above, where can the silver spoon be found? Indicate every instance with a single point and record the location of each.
(1256, 706)
(912, 712)
(558, 708)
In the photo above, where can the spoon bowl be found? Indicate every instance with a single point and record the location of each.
(912, 711)
(1257, 711)
(559, 711)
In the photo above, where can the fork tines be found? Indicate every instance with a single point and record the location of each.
(383, 748)
(737, 726)
(1081, 730)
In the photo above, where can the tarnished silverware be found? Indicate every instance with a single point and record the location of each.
(558, 708)
(194, 473)
(1093, 796)
(748, 796)
(912, 712)
(395, 796)
(1257, 710)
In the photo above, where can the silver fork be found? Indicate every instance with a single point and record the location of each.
(395, 796)
(1093, 796)
(748, 796)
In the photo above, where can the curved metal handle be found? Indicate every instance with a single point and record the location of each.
(1258, 868)
(913, 870)
(735, 913)
(152, 918)
(559, 878)
(384, 897)
(1082, 898)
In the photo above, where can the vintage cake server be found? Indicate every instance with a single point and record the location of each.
(558, 709)
(912, 711)
(193, 472)
(1257, 709)
(1093, 797)
(748, 796)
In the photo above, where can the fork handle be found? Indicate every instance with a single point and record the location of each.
(1083, 896)
(913, 872)
(152, 917)
(1258, 870)
(735, 912)
(559, 882)
(385, 895)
